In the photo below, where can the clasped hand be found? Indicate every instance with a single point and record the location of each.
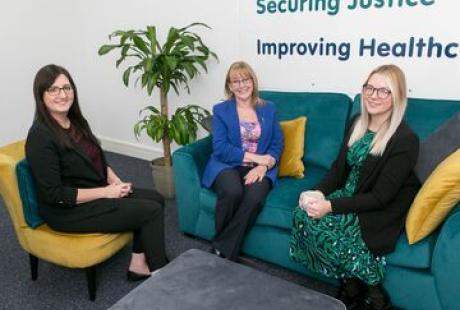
(256, 174)
(118, 189)
(314, 203)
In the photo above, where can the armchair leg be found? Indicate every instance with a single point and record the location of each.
(33, 266)
(91, 281)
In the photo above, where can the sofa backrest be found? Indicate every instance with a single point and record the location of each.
(423, 115)
(327, 114)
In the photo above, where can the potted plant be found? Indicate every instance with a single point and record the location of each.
(164, 66)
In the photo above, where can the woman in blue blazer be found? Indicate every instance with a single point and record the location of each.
(77, 192)
(247, 145)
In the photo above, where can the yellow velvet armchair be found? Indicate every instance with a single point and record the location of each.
(84, 251)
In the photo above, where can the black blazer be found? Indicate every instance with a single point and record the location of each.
(58, 172)
(386, 188)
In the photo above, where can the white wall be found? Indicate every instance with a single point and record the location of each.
(69, 33)
(30, 37)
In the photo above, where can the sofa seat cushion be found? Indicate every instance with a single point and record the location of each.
(281, 201)
(413, 256)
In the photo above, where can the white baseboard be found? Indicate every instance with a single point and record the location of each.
(130, 149)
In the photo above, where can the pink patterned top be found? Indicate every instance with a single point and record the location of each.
(250, 134)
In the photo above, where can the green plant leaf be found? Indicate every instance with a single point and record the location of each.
(104, 49)
(172, 63)
(152, 110)
(171, 39)
(140, 44)
(126, 76)
(152, 37)
(150, 84)
(195, 24)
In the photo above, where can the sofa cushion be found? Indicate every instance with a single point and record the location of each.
(437, 197)
(291, 164)
(413, 256)
(327, 115)
(434, 149)
(28, 194)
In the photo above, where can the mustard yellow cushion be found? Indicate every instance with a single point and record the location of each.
(438, 195)
(291, 159)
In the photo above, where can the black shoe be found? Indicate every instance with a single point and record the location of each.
(134, 276)
(351, 293)
(377, 298)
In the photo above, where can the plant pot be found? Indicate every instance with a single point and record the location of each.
(163, 178)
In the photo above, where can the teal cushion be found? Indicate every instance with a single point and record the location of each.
(423, 115)
(413, 256)
(284, 197)
(28, 194)
(327, 115)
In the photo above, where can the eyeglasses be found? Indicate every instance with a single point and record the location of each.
(56, 91)
(382, 92)
(244, 82)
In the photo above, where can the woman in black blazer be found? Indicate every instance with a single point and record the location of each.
(353, 218)
(77, 192)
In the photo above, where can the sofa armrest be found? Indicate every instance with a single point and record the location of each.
(188, 166)
(446, 258)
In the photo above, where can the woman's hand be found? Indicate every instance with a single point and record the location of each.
(118, 190)
(256, 174)
(267, 160)
(112, 177)
(261, 160)
(308, 196)
(317, 208)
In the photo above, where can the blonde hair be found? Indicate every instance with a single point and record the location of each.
(396, 81)
(241, 68)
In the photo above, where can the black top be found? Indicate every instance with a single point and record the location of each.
(386, 188)
(58, 172)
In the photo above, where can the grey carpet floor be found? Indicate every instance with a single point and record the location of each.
(63, 288)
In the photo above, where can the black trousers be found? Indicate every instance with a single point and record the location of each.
(141, 212)
(237, 208)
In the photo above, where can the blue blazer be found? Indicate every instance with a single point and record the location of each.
(226, 139)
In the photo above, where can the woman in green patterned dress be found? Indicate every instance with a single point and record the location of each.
(353, 218)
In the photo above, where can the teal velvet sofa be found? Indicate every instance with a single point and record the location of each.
(425, 275)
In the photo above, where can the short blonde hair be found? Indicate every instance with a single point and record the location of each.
(396, 81)
(243, 69)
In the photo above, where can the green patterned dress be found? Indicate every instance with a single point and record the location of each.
(333, 245)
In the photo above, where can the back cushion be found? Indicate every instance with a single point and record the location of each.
(423, 115)
(28, 194)
(327, 115)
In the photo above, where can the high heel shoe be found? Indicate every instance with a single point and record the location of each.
(133, 276)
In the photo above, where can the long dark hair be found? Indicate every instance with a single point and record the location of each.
(44, 79)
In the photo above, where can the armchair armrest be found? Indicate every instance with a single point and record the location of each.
(446, 258)
(188, 166)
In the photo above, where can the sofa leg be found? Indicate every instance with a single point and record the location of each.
(33, 266)
(91, 281)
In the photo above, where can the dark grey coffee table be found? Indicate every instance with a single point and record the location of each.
(197, 280)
